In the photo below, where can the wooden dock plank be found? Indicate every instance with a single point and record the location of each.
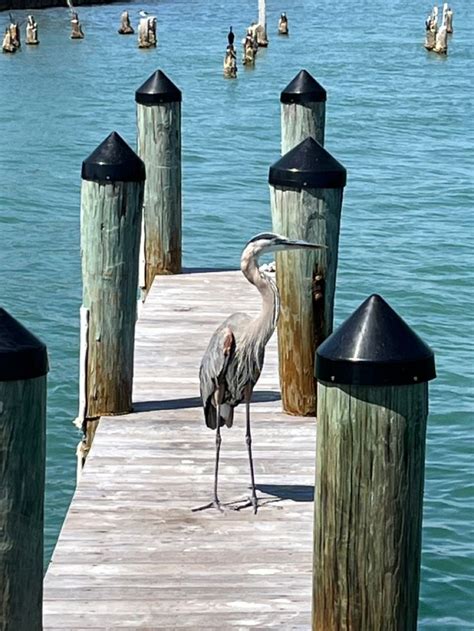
(131, 553)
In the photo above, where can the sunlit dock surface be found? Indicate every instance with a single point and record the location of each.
(131, 552)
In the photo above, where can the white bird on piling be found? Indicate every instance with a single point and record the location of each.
(233, 361)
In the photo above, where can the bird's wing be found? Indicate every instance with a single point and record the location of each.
(213, 366)
(219, 353)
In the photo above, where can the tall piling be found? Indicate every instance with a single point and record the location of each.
(111, 210)
(23, 370)
(306, 189)
(262, 38)
(370, 458)
(303, 111)
(159, 146)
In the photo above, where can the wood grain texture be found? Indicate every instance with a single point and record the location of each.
(131, 552)
(22, 468)
(368, 507)
(110, 234)
(300, 121)
(159, 146)
(306, 281)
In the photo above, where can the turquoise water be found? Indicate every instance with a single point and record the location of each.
(398, 118)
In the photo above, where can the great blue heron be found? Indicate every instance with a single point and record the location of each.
(233, 361)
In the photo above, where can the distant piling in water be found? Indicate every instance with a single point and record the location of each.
(23, 370)
(76, 27)
(11, 39)
(303, 111)
(250, 48)
(430, 36)
(125, 27)
(372, 410)
(147, 32)
(230, 59)
(449, 20)
(283, 25)
(441, 44)
(31, 32)
(306, 190)
(159, 146)
(111, 209)
(230, 63)
(7, 44)
(436, 39)
(261, 30)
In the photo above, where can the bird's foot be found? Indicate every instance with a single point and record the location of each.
(214, 504)
(251, 501)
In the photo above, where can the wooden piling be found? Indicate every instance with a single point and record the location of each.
(283, 25)
(159, 146)
(430, 37)
(76, 27)
(147, 32)
(230, 62)
(303, 111)
(7, 42)
(306, 200)
(23, 369)
(261, 30)
(449, 20)
(250, 48)
(441, 44)
(125, 27)
(111, 210)
(372, 411)
(31, 31)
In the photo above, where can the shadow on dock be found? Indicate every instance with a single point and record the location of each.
(295, 492)
(262, 396)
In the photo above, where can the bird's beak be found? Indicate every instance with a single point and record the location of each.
(297, 244)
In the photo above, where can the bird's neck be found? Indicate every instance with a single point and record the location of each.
(266, 321)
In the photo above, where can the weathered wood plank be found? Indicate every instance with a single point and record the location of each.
(22, 463)
(159, 146)
(307, 284)
(132, 553)
(375, 435)
(111, 212)
(153, 620)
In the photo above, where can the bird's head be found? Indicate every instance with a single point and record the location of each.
(266, 242)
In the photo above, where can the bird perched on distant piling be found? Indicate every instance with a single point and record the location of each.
(233, 361)
(230, 37)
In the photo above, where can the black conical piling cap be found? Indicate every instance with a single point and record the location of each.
(308, 165)
(374, 347)
(22, 355)
(158, 89)
(113, 161)
(303, 89)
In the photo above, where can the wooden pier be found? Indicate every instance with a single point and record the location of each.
(131, 553)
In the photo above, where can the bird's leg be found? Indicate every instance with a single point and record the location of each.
(215, 503)
(252, 501)
(248, 440)
(218, 450)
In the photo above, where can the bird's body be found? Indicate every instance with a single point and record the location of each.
(233, 361)
(234, 372)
